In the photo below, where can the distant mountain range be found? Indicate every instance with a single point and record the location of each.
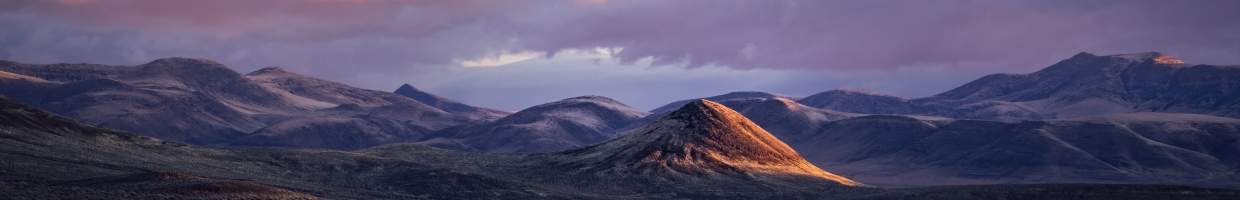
(702, 151)
(891, 141)
(202, 102)
(550, 127)
(1084, 85)
(1130, 118)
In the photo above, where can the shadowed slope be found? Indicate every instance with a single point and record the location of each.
(449, 105)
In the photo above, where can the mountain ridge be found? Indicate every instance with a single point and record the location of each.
(701, 138)
(1082, 85)
(449, 105)
(549, 127)
(204, 102)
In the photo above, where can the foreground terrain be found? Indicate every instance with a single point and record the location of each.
(50, 157)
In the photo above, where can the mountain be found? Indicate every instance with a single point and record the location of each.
(203, 102)
(1083, 85)
(50, 157)
(23, 86)
(1087, 84)
(732, 96)
(327, 94)
(317, 92)
(350, 126)
(860, 102)
(65, 72)
(913, 150)
(213, 80)
(449, 105)
(782, 116)
(1007, 128)
(703, 143)
(555, 126)
(165, 102)
(1153, 148)
(563, 125)
(867, 103)
(346, 118)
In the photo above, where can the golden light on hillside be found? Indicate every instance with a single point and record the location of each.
(1165, 59)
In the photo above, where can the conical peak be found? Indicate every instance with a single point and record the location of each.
(700, 108)
(702, 137)
(413, 92)
(707, 110)
(705, 123)
(1083, 55)
(406, 87)
(422, 96)
(707, 114)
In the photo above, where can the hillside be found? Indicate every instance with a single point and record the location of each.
(550, 127)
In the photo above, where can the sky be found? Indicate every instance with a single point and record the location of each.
(513, 54)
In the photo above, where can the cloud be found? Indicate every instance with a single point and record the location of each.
(740, 34)
(320, 37)
(501, 59)
(893, 34)
(375, 43)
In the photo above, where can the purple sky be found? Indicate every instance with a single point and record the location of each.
(642, 52)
